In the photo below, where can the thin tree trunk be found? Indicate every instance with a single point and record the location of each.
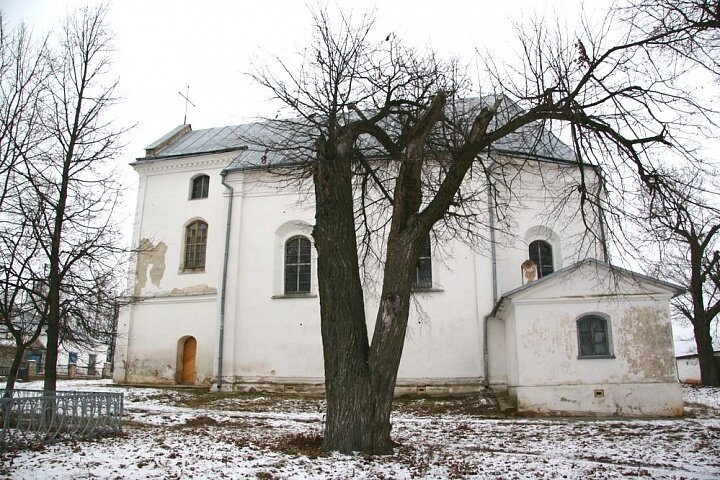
(51, 354)
(54, 279)
(14, 369)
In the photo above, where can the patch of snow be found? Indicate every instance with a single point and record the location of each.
(180, 434)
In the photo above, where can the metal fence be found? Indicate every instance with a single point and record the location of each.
(31, 417)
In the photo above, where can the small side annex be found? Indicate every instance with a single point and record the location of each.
(591, 339)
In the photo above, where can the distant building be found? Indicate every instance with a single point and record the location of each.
(688, 367)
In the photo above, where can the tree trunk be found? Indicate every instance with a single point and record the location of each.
(342, 308)
(51, 354)
(706, 356)
(390, 329)
(14, 369)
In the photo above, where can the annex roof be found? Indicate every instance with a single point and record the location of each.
(593, 262)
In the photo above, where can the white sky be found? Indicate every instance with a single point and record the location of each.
(163, 46)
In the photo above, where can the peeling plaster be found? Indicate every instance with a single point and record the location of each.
(200, 289)
(645, 343)
(556, 336)
(149, 254)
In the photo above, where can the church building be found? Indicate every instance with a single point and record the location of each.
(225, 289)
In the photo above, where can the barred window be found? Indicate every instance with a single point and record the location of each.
(195, 245)
(423, 270)
(593, 336)
(541, 253)
(297, 265)
(200, 187)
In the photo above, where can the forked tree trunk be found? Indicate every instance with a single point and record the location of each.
(359, 379)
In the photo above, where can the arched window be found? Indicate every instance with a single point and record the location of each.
(200, 187)
(297, 265)
(195, 245)
(423, 270)
(593, 336)
(541, 253)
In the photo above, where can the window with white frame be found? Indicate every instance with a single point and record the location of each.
(200, 187)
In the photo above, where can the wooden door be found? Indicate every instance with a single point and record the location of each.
(188, 360)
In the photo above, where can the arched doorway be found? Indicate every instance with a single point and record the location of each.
(187, 350)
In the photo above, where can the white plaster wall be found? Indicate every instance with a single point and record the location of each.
(640, 379)
(688, 370)
(275, 338)
(444, 336)
(541, 209)
(178, 303)
(165, 208)
(153, 339)
(626, 399)
(548, 345)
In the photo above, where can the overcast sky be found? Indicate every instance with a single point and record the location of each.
(165, 46)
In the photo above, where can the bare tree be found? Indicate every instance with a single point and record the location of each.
(686, 231)
(78, 231)
(24, 72)
(57, 158)
(685, 31)
(361, 112)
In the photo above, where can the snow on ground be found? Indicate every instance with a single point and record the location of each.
(196, 435)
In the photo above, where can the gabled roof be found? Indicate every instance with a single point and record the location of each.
(184, 141)
(569, 270)
(532, 140)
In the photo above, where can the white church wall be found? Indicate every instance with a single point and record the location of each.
(166, 209)
(639, 378)
(277, 337)
(153, 352)
(271, 339)
(175, 303)
(542, 209)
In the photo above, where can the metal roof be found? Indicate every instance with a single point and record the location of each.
(532, 140)
(195, 142)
